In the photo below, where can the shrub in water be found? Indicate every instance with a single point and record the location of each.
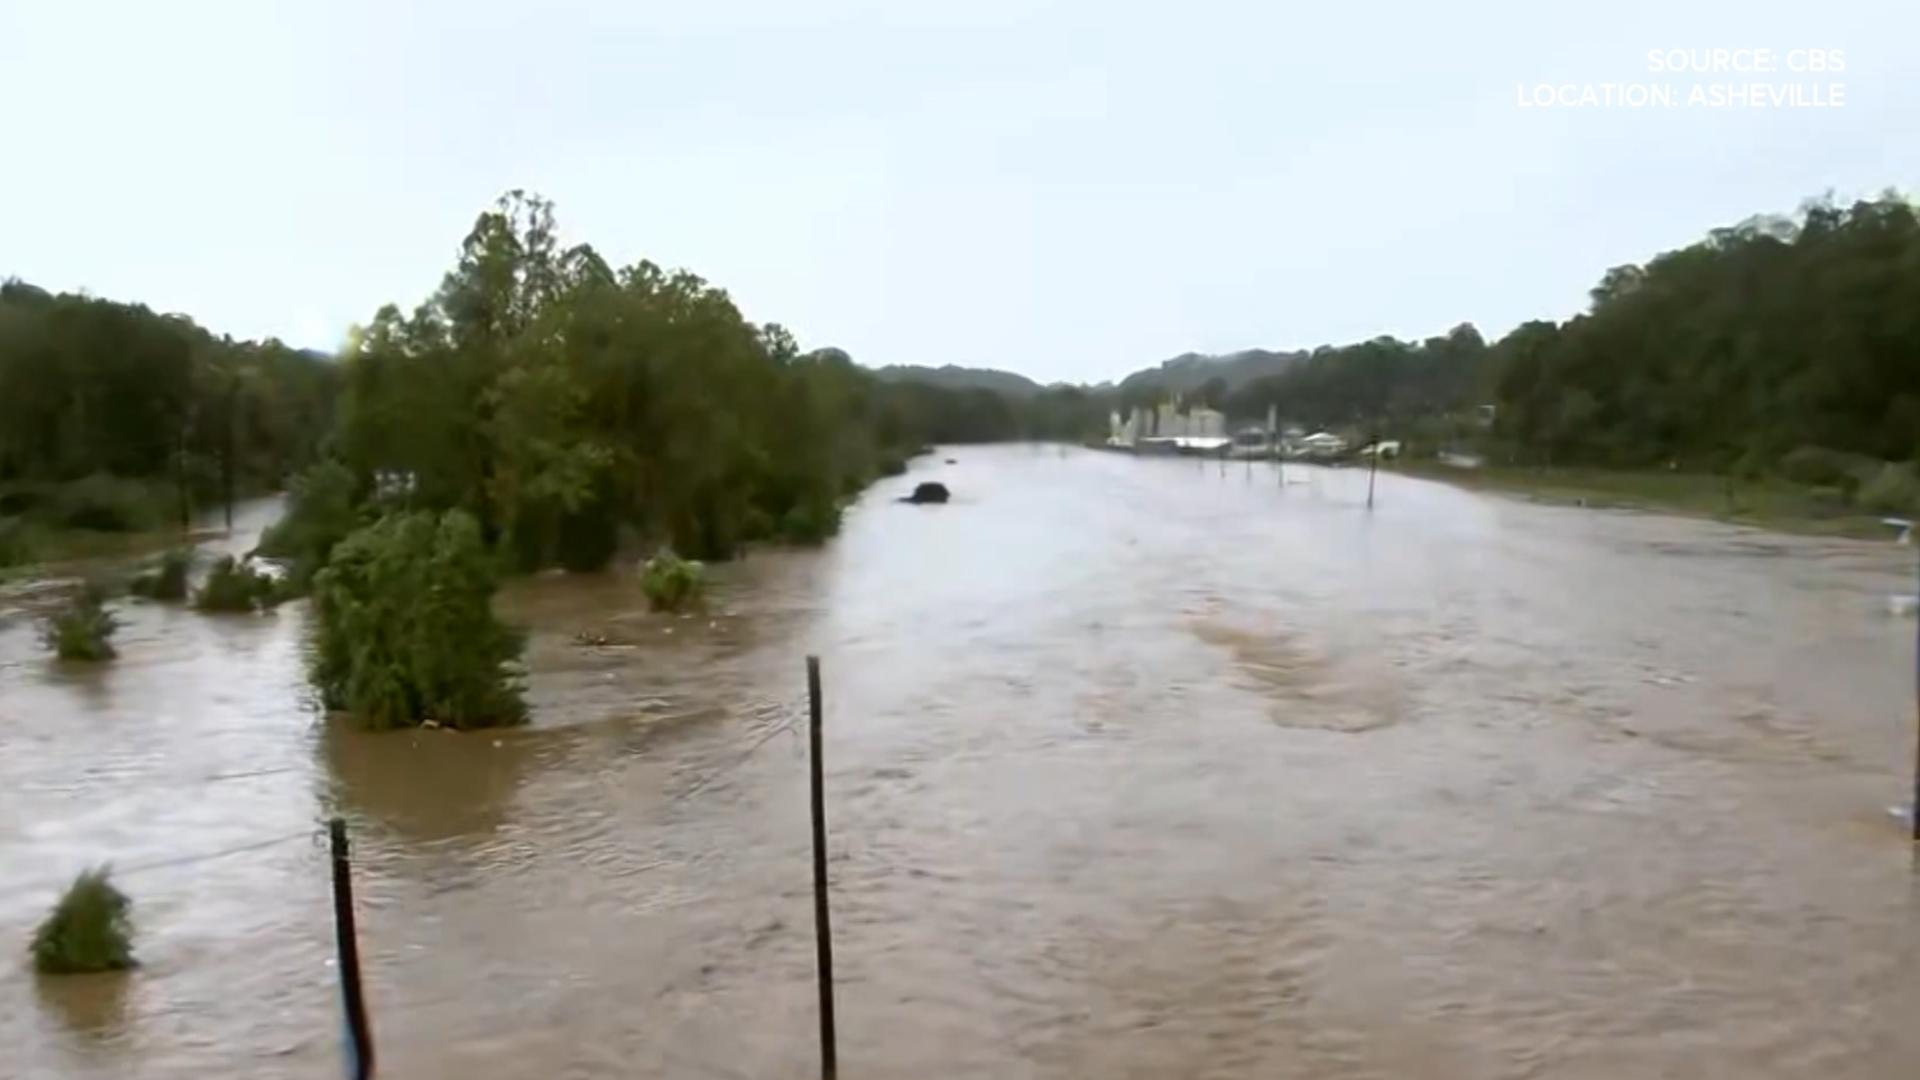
(168, 581)
(672, 583)
(1895, 489)
(235, 586)
(404, 627)
(320, 513)
(88, 930)
(810, 522)
(80, 630)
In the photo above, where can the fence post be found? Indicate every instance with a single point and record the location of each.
(822, 929)
(359, 1037)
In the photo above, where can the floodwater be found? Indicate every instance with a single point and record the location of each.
(1135, 768)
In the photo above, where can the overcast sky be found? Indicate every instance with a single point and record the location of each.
(1071, 190)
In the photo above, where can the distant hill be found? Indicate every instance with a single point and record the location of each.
(1190, 371)
(952, 377)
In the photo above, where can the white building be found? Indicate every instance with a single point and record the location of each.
(1168, 421)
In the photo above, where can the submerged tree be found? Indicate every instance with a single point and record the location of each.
(321, 511)
(235, 585)
(405, 631)
(89, 930)
(166, 581)
(83, 628)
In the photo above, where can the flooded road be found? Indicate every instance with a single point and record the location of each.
(1135, 768)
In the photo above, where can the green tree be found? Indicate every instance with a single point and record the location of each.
(405, 631)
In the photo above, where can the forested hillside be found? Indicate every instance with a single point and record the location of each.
(113, 416)
(1767, 336)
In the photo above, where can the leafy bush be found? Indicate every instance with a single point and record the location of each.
(108, 503)
(1821, 467)
(320, 513)
(810, 522)
(1895, 489)
(672, 583)
(405, 630)
(80, 631)
(168, 581)
(16, 547)
(236, 586)
(89, 930)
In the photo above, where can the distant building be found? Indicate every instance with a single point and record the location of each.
(1167, 421)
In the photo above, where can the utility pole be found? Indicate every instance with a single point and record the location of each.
(226, 462)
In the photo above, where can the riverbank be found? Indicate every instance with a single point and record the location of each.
(1769, 504)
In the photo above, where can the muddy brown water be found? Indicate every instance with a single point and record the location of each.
(1135, 768)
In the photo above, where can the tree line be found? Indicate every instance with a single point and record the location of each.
(565, 403)
(113, 416)
(1776, 345)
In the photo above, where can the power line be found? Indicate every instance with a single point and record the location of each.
(182, 860)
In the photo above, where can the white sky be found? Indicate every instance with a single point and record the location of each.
(1073, 190)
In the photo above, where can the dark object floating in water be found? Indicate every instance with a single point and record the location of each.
(953, 461)
(930, 492)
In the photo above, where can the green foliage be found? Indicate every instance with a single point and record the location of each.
(16, 542)
(1765, 336)
(167, 581)
(89, 930)
(405, 631)
(82, 629)
(1819, 466)
(110, 504)
(235, 585)
(1383, 382)
(91, 388)
(672, 583)
(562, 402)
(1894, 489)
(811, 522)
(320, 513)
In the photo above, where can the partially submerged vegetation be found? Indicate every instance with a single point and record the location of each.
(82, 629)
(405, 633)
(321, 510)
(235, 585)
(672, 583)
(165, 581)
(89, 930)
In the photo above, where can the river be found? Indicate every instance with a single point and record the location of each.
(1135, 767)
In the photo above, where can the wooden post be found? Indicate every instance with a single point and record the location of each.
(359, 1046)
(822, 928)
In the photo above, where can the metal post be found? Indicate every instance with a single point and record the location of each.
(359, 1036)
(822, 930)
